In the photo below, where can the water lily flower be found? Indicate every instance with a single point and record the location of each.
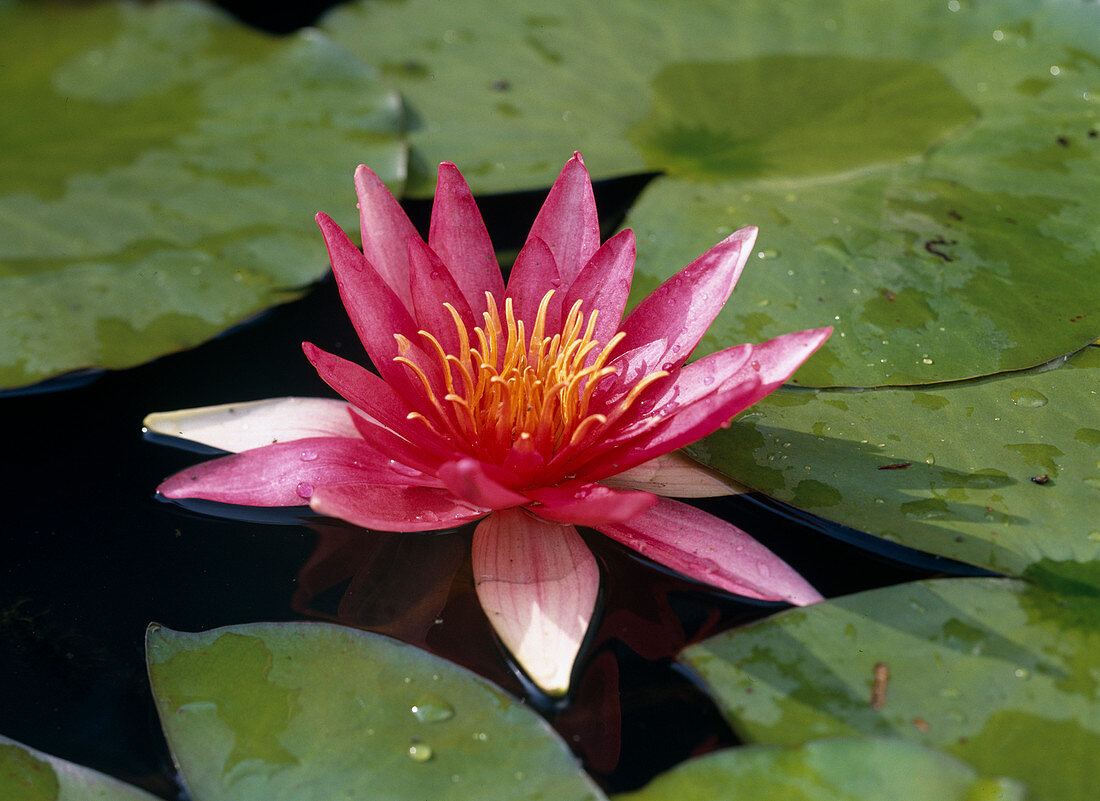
(533, 407)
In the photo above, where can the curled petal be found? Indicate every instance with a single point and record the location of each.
(469, 480)
(589, 504)
(707, 549)
(285, 474)
(235, 427)
(537, 582)
(674, 475)
(393, 508)
(458, 235)
(568, 222)
(684, 306)
(386, 231)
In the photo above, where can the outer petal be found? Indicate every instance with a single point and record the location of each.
(666, 434)
(777, 359)
(537, 582)
(285, 474)
(386, 231)
(589, 504)
(457, 234)
(685, 305)
(533, 275)
(237, 427)
(708, 549)
(391, 508)
(568, 222)
(604, 284)
(468, 479)
(674, 475)
(375, 311)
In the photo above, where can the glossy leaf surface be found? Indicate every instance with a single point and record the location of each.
(839, 769)
(160, 165)
(994, 671)
(923, 174)
(260, 711)
(30, 775)
(1002, 473)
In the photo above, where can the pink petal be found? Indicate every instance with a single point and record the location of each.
(631, 366)
(375, 311)
(604, 284)
(420, 454)
(685, 305)
(537, 582)
(386, 231)
(238, 427)
(695, 381)
(589, 504)
(457, 233)
(389, 508)
(674, 475)
(568, 222)
(666, 434)
(284, 474)
(708, 549)
(469, 480)
(371, 395)
(432, 286)
(777, 359)
(533, 275)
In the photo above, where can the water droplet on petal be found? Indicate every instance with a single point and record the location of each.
(708, 380)
(304, 489)
(755, 365)
(763, 569)
(308, 456)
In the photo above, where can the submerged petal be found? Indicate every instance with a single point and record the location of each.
(684, 306)
(394, 508)
(709, 549)
(457, 234)
(537, 582)
(568, 222)
(235, 427)
(285, 474)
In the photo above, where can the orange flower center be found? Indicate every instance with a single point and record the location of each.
(506, 389)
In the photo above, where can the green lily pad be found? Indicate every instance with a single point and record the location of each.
(160, 166)
(923, 173)
(260, 711)
(30, 775)
(838, 769)
(996, 672)
(1001, 472)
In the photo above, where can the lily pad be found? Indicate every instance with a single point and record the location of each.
(160, 165)
(996, 672)
(30, 775)
(838, 769)
(1003, 472)
(922, 173)
(260, 711)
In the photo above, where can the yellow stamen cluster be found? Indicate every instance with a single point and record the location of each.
(505, 390)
